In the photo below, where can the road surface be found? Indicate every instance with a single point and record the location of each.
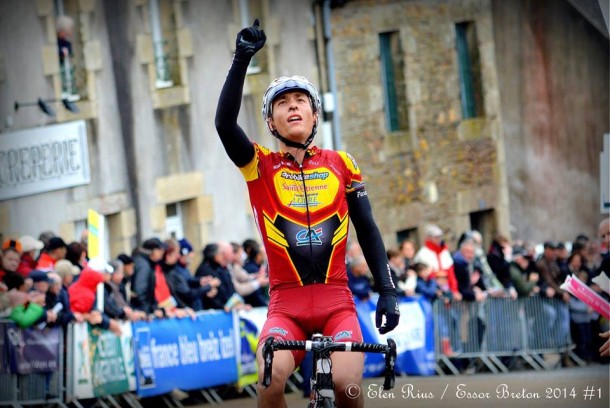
(582, 387)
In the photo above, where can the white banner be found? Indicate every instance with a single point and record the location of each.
(410, 334)
(103, 362)
(43, 159)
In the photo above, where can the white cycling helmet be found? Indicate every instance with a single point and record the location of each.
(285, 84)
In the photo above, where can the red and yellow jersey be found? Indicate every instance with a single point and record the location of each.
(302, 213)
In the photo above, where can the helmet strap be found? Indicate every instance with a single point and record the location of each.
(292, 143)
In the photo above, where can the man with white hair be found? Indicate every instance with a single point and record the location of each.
(435, 254)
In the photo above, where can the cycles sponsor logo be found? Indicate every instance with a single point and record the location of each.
(298, 201)
(304, 237)
(278, 330)
(362, 193)
(316, 175)
(345, 334)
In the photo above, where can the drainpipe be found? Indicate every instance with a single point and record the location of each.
(332, 82)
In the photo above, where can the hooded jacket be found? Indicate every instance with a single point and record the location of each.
(82, 293)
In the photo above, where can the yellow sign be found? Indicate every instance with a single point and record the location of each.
(95, 240)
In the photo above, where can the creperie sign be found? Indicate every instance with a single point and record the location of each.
(43, 159)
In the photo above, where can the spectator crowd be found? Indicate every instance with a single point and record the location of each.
(47, 281)
(507, 269)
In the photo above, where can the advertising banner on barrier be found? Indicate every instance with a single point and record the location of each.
(414, 337)
(33, 350)
(103, 362)
(186, 354)
(4, 366)
(250, 325)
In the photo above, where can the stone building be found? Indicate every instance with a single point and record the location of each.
(145, 76)
(475, 114)
(479, 114)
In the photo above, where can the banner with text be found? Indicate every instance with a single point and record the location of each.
(32, 350)
(103, 363)
(43, 159)
(414, 337)
(4, 365)
(186, 354)
(250, 324)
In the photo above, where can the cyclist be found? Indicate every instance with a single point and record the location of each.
(302, 198)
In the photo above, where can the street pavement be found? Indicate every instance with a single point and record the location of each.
(581, 387)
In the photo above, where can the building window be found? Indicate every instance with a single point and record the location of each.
(163, 31)
(70, 50)
(393, 81)
(409, 234)
(174, 226)
(485, 222)
(469, 66)
(248, 11)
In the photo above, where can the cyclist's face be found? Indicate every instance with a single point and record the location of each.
(293, 116)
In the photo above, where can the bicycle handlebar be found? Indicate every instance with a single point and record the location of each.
(325, 345)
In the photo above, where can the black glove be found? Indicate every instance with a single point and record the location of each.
(387, 305)
(249, 41)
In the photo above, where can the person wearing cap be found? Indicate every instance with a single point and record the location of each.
(11, 257)
(190, 289)
(30, 248)
(128, 271)
(303, 198)
(42, 284)
(550, 274)
(526, 284)
(436, 255)
(551, 278)
(66, 272)
(55, 250)
(147, 265)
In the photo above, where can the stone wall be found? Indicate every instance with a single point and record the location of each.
(421, 175)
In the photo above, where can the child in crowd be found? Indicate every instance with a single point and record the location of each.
(426, 284)
(428, 288)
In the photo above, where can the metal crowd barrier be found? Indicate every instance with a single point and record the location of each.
(491, 332)
(17, 390)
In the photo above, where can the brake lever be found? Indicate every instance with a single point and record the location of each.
(390, 362)
(268, 359)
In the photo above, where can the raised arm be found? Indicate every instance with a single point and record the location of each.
(374, 252)
(237, 145)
